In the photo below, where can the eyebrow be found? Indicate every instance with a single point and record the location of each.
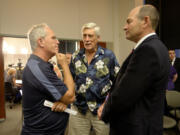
(54, 37)
(87, 34)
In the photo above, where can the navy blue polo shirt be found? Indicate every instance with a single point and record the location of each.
(41, 83)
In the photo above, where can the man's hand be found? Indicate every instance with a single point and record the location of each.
(61, 59)
(58, 107)
(99, 112)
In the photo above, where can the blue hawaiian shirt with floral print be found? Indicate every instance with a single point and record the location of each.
(93, 81)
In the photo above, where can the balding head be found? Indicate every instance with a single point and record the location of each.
(141, 21)
(151, 11)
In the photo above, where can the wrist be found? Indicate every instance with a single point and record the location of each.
(64, 66)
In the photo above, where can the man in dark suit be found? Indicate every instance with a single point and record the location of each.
(176, 64)
(135, 103)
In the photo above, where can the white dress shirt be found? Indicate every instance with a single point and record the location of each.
(142, 39)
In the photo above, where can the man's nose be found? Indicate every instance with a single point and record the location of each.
(125, 27)
(86, 38)
(57, 41)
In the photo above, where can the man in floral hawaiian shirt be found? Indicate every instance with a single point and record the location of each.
(93, 69)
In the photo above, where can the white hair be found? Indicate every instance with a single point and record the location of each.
(36, 32)
(91, 25)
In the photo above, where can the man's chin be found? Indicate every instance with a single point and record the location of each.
(57, 51)
(88, 47)
(128, 38)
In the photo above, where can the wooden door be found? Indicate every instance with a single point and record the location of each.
(2, 98)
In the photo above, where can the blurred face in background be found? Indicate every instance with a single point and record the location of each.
(12, 71)
(68, 57)
(172, 54)
(90, 40)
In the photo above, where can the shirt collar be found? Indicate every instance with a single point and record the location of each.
(39, 59)
(98, 52)
(173, 61)
(142, 39)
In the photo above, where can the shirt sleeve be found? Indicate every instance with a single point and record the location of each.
(71, 67)
(174, 71)
(48, 79)
(114, 67)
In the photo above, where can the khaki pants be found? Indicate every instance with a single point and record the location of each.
(81, 124)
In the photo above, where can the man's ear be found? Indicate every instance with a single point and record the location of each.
(147, 21)
(40, 42)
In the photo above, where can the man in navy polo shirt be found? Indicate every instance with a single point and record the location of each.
(41, 83)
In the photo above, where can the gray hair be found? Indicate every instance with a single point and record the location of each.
(36, 32)
(91, 26)
(151, 11)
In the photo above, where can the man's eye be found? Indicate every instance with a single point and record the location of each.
(90, 36)
(129, 21)
(54, 38)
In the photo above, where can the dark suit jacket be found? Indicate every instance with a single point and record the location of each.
(177, 67)
(135, 103)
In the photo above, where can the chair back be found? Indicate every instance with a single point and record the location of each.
(8, 89)
(173, 98)
(168, 122)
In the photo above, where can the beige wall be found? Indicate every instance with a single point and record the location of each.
(122, 46)
(66, 17)
(121, 9)
(139, 2)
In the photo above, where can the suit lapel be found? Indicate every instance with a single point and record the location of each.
(126, 62)
(122, 70)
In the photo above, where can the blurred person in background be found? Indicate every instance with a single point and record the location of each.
(172, 78)
(176, 64)
(11, 77)
(68, 57)
(57, 70)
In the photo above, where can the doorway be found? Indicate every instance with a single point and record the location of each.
(14, 55)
